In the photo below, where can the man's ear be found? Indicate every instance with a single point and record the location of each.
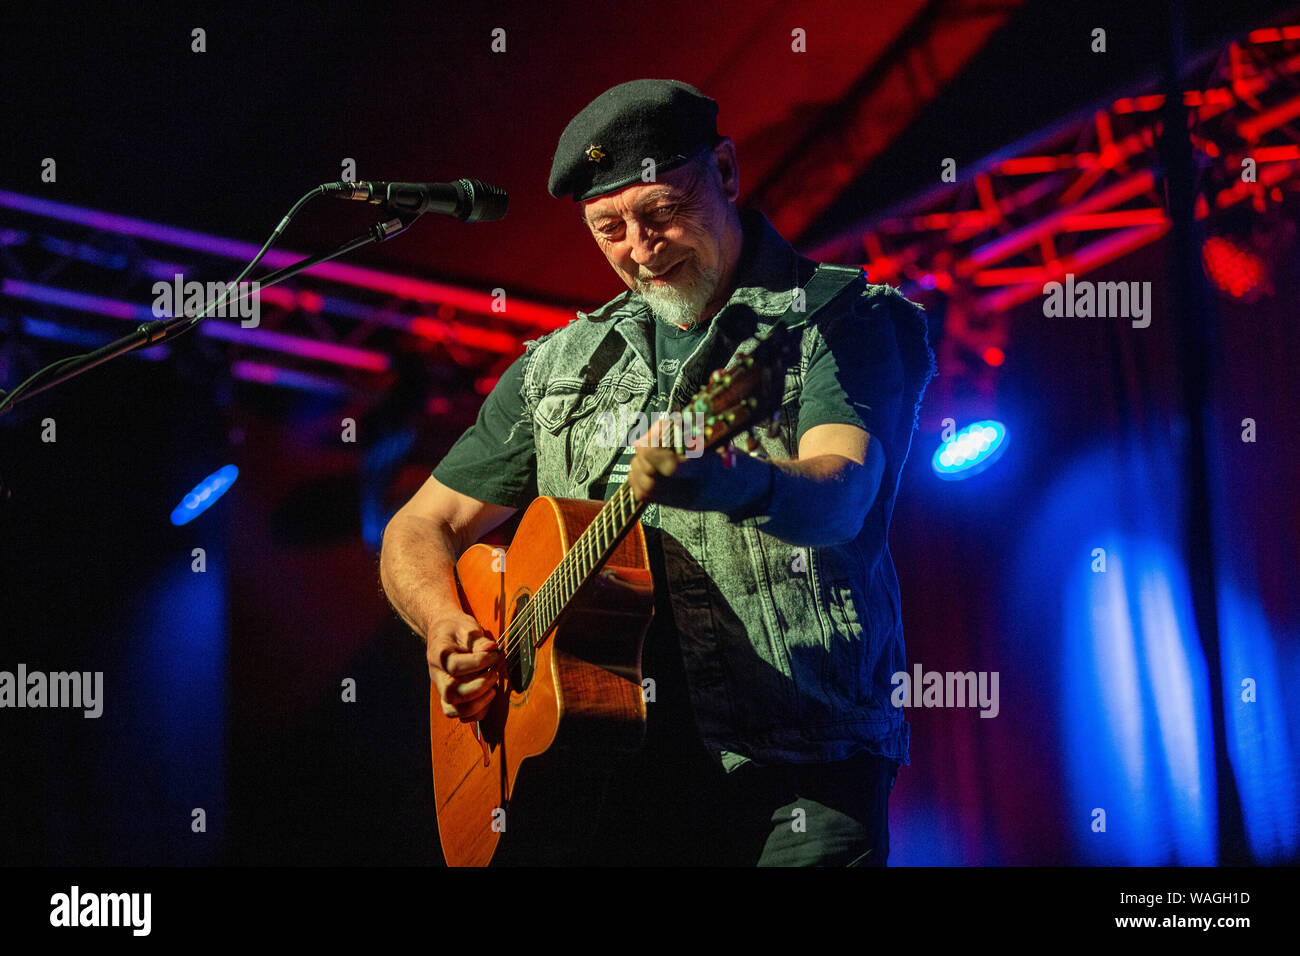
(725, 152)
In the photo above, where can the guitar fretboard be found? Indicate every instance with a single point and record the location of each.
(591, 550)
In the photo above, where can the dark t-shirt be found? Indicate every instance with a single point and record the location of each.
(673, 346)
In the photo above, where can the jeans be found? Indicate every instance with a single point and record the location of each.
(675, 810)
(671, 804)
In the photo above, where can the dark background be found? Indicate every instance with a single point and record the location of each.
(223, 688)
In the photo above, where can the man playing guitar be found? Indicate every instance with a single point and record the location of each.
(770, 737)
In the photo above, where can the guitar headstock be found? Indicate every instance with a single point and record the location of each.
(744, 396)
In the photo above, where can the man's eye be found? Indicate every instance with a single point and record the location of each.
(663, 213)
(609, 228)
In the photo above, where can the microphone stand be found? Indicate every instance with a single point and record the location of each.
(164, 330)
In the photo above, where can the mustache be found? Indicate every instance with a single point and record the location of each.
(647, 276)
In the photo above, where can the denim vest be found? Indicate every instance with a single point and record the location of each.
(788, 651)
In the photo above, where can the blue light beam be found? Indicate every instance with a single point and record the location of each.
(204, 495)
(970, 451)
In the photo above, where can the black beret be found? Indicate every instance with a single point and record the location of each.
(603, 147)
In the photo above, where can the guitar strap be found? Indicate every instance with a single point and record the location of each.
(825, 286)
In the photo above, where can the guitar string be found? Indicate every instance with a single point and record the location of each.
(546, 597)
(568, 572)
(572, 575)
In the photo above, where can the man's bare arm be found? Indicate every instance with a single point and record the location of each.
(421, 546)
(417, 569)
(820, 498)
(823, 496)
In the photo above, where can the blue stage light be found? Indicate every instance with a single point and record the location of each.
(204, 495)
(970, 451)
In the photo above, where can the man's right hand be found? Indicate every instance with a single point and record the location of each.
(463, 665)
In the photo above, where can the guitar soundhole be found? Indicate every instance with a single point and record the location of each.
(520, 653)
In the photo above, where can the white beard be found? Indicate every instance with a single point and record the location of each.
(680, 305)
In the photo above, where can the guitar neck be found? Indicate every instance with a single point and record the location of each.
(588, 553)
(732, 401)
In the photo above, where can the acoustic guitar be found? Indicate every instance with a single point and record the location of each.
(569, 603)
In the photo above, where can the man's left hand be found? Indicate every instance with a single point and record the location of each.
(699, 484)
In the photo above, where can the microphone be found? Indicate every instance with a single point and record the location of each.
(467, 199)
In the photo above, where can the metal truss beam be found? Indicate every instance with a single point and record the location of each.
(1077, 197)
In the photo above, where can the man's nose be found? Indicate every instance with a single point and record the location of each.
(645, 243)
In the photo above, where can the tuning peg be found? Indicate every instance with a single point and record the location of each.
(774, 426)
(751, 440)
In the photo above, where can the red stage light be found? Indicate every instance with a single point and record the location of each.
(1233, 269)
(994, 356)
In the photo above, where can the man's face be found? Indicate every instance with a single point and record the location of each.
(666, 239)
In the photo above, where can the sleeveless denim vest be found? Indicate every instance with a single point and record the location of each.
(788, 651)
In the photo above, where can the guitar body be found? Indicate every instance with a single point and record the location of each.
(566, 707)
